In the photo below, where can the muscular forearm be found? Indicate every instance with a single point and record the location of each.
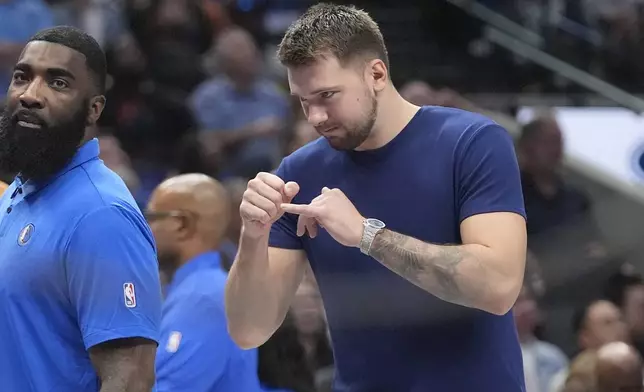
(255, 305)
(468, 275)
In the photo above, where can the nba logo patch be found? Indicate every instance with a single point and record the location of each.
(129, 295)
(25, 234)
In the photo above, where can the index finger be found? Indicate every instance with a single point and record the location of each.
(299, 209)
(272, 180)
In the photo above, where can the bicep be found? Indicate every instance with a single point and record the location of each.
(127, 363)
(487, 172)
(503, 233)
(112, 277)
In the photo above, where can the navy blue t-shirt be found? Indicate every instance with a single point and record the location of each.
(389, 335)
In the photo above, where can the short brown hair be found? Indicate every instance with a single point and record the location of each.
(343, 31)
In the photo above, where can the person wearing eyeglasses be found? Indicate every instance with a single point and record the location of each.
(189, 215)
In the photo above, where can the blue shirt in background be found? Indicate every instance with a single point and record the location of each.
(19, 20)
(389, 335)
(78, 268)
(218, 106)
(195, 353)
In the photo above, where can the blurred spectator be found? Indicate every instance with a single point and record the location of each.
(542, 361)
(188, 215)
(581, 377)
(250, 15)
(562, 231)
(218, 14)
(156, 72)
(118, 161)
(422, 94)
(618, 368)
(173, 35)
(240, 112)
(620, 25)
(102, 19)
(599, 323)
(236, 188)
(310, 321)
(627, 292)
(303, 133)
(282, 361)
(549, 201)
(192, 156)
(19, 20)
(3, 187)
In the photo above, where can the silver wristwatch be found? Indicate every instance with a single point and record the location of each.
(371, 228)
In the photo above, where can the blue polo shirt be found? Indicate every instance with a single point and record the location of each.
(388, 334)
(195, 353)
(78, 268)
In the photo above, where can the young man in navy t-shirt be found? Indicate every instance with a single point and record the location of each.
(411, 218)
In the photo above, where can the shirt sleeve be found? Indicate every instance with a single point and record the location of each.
(196, 353)
(284, 230)
(488, 174)
(113, 276)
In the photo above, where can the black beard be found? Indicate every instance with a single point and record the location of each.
(357, 135)
(40, 153)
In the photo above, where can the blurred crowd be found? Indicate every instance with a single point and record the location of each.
(598, 36)
(193, 87)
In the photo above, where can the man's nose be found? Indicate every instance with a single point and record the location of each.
(316, 115)
(32, 96)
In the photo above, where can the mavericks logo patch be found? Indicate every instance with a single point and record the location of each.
(173, 342)
(25, 234)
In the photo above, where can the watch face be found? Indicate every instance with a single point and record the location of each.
(375, 223)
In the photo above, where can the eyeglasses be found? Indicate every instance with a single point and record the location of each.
(152, 216)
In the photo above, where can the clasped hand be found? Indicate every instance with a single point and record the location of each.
(333, 211)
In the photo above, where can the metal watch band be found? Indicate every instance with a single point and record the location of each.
(368, 235)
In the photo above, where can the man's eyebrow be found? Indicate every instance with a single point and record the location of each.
(52, 72)
(60, 72)
(22, 67)
(319, 90)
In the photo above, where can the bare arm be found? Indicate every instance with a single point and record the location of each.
(486, 272)
(125, 365)
(260, 288)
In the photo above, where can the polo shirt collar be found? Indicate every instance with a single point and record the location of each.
(87, 152)
(208, 260)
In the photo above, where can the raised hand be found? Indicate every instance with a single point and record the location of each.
(333, 211)
(262, 201)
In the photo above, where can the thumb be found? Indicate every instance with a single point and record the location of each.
(290, 190)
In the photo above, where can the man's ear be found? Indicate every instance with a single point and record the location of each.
(96, 106)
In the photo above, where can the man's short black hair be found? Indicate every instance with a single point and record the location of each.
(81, 42)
